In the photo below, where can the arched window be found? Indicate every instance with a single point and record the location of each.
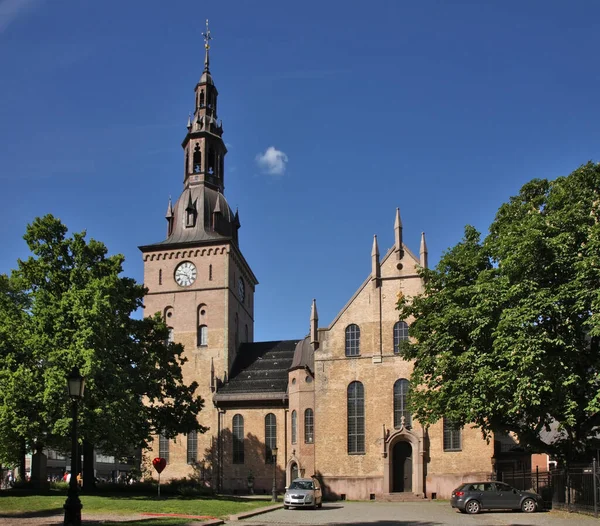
(294, 426)
(201, 98)
(401, 389)
(192, 447)
(309, 426)
(400, 334)
(197, 159)
(163, 447)
(187, 162)
(211, 161)
(270, 437)
(452, 436)
(238, 439)
(210, 272)
(202, 329)
(170, 336)
(352, 340)
(356, 418)
(160, 276)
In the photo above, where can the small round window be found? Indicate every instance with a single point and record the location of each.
(308, 379)
(293, 381)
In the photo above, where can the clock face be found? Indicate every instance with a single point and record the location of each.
(241, 289)
(185, 274)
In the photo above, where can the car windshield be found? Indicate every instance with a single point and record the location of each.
(301, 484)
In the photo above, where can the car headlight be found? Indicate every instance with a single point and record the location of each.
(308, 498)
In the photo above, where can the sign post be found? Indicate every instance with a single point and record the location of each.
(159, 464)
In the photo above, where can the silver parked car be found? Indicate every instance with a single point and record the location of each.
(303, 493)
(472, 497)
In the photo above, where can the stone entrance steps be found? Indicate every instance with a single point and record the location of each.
(403, 497)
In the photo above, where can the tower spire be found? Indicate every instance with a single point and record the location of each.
(207, 39)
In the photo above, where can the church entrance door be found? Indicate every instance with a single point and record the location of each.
(294, 472)
(402, 467)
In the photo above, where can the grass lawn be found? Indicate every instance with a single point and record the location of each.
(15, 505)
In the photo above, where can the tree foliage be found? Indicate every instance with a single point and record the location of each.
(507, 331)
(67, 306)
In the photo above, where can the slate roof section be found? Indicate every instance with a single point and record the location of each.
(261, 368)
(222, 227)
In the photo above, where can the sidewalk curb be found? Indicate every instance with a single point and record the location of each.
(247, 514)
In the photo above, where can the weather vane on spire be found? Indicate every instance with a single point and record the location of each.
(207, 39)
(207, 36)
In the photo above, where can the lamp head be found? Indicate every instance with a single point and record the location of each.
(75, 384)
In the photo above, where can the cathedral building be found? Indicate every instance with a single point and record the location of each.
(331, 404)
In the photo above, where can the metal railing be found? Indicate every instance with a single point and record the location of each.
(573, 489)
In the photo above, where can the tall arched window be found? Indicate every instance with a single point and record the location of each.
(356, 418)
(238, 439)
(202, 328)
(294, 426)
(309, 426)
(201, 98)
(270, 437)
(400, 334)
(401, 389)
(352, 340)
(192, 447)
(163, 447)
(170, 336)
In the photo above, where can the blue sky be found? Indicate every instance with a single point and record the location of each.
(444, 109)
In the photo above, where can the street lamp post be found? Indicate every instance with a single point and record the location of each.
(274, 457)
(75, 385)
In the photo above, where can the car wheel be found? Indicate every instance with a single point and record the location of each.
(472, 507)
(528, 506)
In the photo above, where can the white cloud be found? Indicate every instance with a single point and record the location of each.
(11, 9)
(273, 161)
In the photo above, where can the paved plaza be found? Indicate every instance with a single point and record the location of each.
(411, 514)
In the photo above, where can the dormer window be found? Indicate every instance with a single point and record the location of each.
(190, 218)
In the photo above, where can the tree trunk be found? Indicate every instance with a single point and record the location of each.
(21, 474)
(89, 479)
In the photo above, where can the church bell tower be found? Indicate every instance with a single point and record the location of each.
(197, 277)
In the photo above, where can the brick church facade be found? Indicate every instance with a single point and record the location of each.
(331, 404)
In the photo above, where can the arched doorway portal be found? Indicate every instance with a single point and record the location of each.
(402, 467)
(293, 471)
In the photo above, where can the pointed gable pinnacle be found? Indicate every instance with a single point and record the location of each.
(423, 252)
(169, 213)
(398, 234)
(375, 265)
(314, 324)
(189, 122)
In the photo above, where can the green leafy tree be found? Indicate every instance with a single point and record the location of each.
(67, 306)
(507, 331)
